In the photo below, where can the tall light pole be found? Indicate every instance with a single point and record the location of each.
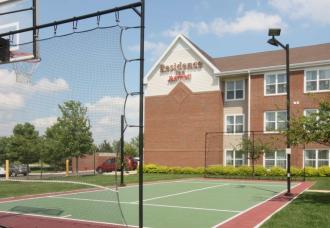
(273, 41)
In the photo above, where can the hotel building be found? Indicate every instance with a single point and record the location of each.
(189, 94)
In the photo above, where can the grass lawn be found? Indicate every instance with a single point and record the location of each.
(310, 209)
(10, 189)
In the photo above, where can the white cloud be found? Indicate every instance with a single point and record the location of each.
(154, 48)
(46, 85)
(315, 11)
(42, 123)
(105, 117)
(250, 21)
(11, 101)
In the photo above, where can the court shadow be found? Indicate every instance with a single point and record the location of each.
(37, 210)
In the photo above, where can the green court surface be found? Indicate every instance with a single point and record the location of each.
(182, 203)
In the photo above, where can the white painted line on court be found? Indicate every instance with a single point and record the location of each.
(68, 219)
(65, 216)
(236, 183)
(181, 193)
(227, 220)
(153, 205)
(268, 217)
(191, 208)
(91, 200)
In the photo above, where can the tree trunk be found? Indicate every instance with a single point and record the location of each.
(77, 169)
(253, 172)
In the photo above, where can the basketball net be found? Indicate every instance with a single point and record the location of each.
(24, 68)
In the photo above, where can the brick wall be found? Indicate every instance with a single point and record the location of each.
(175, 126)
(261, 103)
(87, 163)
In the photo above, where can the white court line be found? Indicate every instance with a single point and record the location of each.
(181, 193)
(250, 208)
(191, 208)
(76, 193)
(65, 216)
(152, 205)
(236, 183)
(67, 219)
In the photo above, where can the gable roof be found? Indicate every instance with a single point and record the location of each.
(313, 53)
(203, 55)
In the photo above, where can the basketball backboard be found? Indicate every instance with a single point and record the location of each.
(16, 15)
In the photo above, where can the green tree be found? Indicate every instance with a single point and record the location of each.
(54, 152)
(313, 128)
(105, 146)
(253, 148)
(75, 130)
(24, 144)
(4, 150)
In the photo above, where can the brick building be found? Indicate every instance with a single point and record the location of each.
(188, 93)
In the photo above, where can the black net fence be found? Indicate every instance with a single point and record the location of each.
(248, 155)
(60, 123)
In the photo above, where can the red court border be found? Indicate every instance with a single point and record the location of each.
(255, 216)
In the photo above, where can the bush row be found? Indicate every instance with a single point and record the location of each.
(238, 171)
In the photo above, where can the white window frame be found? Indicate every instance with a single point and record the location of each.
(309, 109)
(317, 80)
(235, 99)
(234, 158)
(234, 133)
(276, 84)
(276, 128)
(276, 159)
(316, 157)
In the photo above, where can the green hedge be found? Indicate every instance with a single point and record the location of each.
(238, 171)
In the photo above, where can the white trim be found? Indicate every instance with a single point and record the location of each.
(235, 99)
(176, 40)
(234, 158)
(225, 124)
(259, 70)
(317, 69)
(275, 159)
(316, 157)
(276, 83)
(276, 130)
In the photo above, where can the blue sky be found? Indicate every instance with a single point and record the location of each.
(219, 27)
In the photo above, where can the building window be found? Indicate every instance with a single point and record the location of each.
(234, 90)
(316, 158)
(275, 84)
(275, 158)
(275, 121)
(235, 123)
(317, 80)
(236, 158)
(308, 112)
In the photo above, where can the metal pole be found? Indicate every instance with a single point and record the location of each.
(205, 143)
(35, 33)
(122, 150)
(73, 19)
(141, 115)
(288, 119)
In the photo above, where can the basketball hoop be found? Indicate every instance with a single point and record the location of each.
(24, 66)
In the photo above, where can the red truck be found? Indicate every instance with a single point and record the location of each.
(112, 164)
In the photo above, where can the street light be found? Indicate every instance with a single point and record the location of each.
(273, 32)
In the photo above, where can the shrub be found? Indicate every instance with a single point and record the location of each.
(324, 171)
(260, 171)
(276, 171)
(311, 172)
(296, 172)
(244, 171)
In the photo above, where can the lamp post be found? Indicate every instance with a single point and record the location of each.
(273, 41)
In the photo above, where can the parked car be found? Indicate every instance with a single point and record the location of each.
(111, 164)
(18, 169)
(2, 172)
